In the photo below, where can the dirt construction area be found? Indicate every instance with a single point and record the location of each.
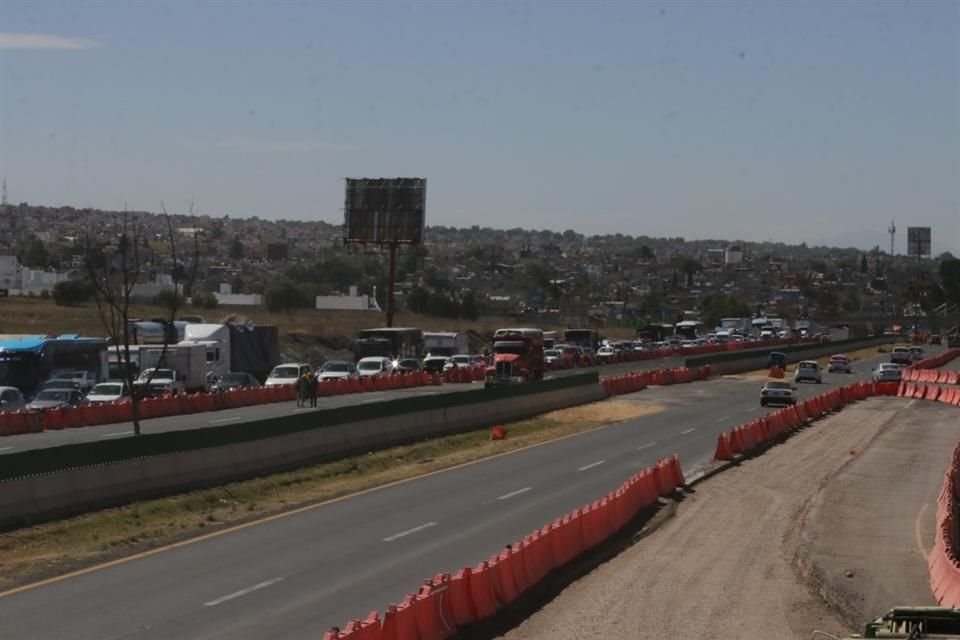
(819, 533)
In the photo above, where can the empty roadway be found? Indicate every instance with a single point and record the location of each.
(295, 576)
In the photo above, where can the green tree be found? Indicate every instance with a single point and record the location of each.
(204, 299)
(468, 306)
(34, 254)
(169, 299)
(72, 292)
(418, 300)
(721, 305)
(237, 285)
(236, 249)
(949, 273)
(282, 294)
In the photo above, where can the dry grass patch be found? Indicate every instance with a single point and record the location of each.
(59, 547)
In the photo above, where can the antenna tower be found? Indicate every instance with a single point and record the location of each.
(892, 230)
(3, 199)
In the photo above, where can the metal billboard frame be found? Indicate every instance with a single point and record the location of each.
(918, 241)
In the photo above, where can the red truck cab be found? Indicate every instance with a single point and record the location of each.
(517, 357)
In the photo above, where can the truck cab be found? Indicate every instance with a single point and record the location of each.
(517, 357)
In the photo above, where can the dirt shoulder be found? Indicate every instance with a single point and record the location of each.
(724, 565)
(866, 536)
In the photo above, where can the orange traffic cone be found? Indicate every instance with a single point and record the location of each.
(498, 433)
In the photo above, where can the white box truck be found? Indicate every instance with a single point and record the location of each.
(253, 349)
(188, 360)
(445, 343)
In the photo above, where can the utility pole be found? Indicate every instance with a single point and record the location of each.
(892, 230)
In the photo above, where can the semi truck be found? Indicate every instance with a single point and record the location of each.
(445, 343)
(517, 357)
(253, 349)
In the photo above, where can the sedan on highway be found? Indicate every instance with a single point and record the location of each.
(900, 355)
(459, 360)
(53, 398)
(434, 364)
(606, 354)
(839, 363)
(236, 380)
(551, 357)
(287, 373)
(916, 354)
(887, 372)
(11, 399)
(406, 365)
(109, 391)
(374, 366)
(777, 392)
(808, 370)
(336, 369)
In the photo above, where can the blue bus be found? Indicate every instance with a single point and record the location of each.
(27, 362)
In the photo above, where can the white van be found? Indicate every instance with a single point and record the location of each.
(287, 373)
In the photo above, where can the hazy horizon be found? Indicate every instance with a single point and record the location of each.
(760, 121)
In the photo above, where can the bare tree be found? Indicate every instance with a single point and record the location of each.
(115, 267)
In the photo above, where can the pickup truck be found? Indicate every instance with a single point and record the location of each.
(160, 382)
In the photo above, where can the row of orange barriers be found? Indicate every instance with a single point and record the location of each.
(931, 375)
(640, 380)
(446, 604)
(922, 391)
(936, 361)
(745, 438)
(17, 422)
(943, 562)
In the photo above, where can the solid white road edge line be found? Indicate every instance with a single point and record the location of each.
(6, 448)
(723, 419)
(242, 592)
(223, 420)
(409, 531)
(646, 446)
(591, 465)
(512, 494)
(119, 433)
(690, 430)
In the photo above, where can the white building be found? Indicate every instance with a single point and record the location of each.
(352, 302)
(734, 254)
(11, 277)
(36, 282)
(228, 298)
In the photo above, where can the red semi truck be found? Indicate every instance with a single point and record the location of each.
(517, 357)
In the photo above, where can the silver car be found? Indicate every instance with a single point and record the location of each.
(11, 399)
(808, 370)
(887, 372)
(778, 392)
(53, 398)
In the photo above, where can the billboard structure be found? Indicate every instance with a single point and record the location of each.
(384, 210)
(387, 212)
(918, 241)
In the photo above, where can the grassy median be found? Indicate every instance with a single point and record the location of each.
(59, 547)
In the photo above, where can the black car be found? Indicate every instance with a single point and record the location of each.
(777, 359)
(236, 381)
(434, 364)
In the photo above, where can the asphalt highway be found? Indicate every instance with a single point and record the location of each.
(13, 444)
(294, 576)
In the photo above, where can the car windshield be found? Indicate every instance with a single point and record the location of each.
(285, 372)
(370, 365)
(807, 365)
(61, 384)
(460, 359)
(839, 358)
(778, 385)
(234, 378)
(53, 395)
(107, 390)
(336, 366)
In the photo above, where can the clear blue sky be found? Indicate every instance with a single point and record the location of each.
(791, 121)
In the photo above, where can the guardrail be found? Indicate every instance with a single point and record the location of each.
(795, 349)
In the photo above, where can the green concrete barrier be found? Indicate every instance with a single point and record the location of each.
(794, 352)
(53, 459)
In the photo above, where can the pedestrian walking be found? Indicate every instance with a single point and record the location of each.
(314, 383)
(302, 391)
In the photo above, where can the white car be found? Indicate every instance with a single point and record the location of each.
(887, 372)
(606, 353)
(839, 362)
(287, 373)
(459, 360)
(778, 392)
(109, 391)
(336, 369)
(374, 366)
(900, 355)
(808, 370)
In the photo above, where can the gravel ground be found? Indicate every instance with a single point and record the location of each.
(723, 567)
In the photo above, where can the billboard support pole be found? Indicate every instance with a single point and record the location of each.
(391, 283)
